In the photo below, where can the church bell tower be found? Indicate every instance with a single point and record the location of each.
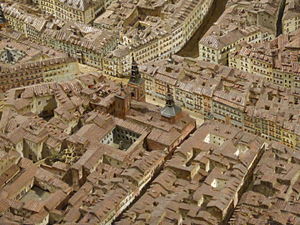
(136, 83)
(2, 18)
(122, 103)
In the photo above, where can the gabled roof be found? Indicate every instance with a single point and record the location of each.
(77, 4)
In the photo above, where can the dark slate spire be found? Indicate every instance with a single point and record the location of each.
(169, 98)
(135, 76)
(2, 18)
(170, 109)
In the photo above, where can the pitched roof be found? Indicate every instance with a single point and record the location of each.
(77, 4)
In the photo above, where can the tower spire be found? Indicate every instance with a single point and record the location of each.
(169, 98)
(171, 111)
(135, 74)
(136, 83)
(2, 17)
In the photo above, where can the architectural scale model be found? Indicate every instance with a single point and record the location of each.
(150, 112)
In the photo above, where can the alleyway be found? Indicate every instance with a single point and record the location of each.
(191, 48)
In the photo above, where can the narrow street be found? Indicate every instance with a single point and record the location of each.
(191, 48)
